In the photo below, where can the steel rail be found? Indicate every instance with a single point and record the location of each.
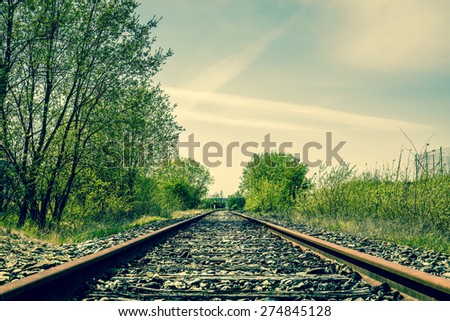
(414, 283)
(62, 281)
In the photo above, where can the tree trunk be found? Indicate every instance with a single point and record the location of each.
(59, 209)
(2, 190)
(61, 204)
(22, 215)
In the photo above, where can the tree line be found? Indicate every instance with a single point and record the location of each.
(76, 76)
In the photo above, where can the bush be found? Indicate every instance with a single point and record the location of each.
(272, 182)
(235, 202)
(268, 197)
(181, 184)
(206, 204)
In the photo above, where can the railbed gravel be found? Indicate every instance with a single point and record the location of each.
(428, 261)
(225, 257)
(21, 256)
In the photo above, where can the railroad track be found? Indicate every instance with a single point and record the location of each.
(224, 257)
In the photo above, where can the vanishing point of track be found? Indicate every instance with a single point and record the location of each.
(227, 257)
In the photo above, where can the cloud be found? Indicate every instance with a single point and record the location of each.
(218, 75)
(253, 112)
(393, 34)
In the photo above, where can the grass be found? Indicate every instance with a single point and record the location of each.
(68, 232)
(181, 214)
(394, 232)
(380, 205)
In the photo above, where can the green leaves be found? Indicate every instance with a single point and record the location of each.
(272, 182)
(74, 75)
(236, 201)
(182, 183)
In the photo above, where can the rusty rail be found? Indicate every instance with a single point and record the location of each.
(62, 281)
(414, 283)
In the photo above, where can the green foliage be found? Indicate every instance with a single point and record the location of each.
(399, 210)
(80, 118)
(206, 203)
(342, 192)
(268, 197)
(182, 184)
(236, 202)
(272, 182)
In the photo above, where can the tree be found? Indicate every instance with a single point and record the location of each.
(182, 183)
(65, 67)
(272, 181)
(236, 201)
(144, 135)
(116, 183)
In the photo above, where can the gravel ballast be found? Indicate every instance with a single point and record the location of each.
(226, 257)
(432, 262)
(22, 256)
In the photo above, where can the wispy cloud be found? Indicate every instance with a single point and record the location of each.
(218, 75)
(262, 113)
(393, 35)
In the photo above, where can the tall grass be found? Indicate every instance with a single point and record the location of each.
(384, 203)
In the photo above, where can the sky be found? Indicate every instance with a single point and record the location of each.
(365, 71)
